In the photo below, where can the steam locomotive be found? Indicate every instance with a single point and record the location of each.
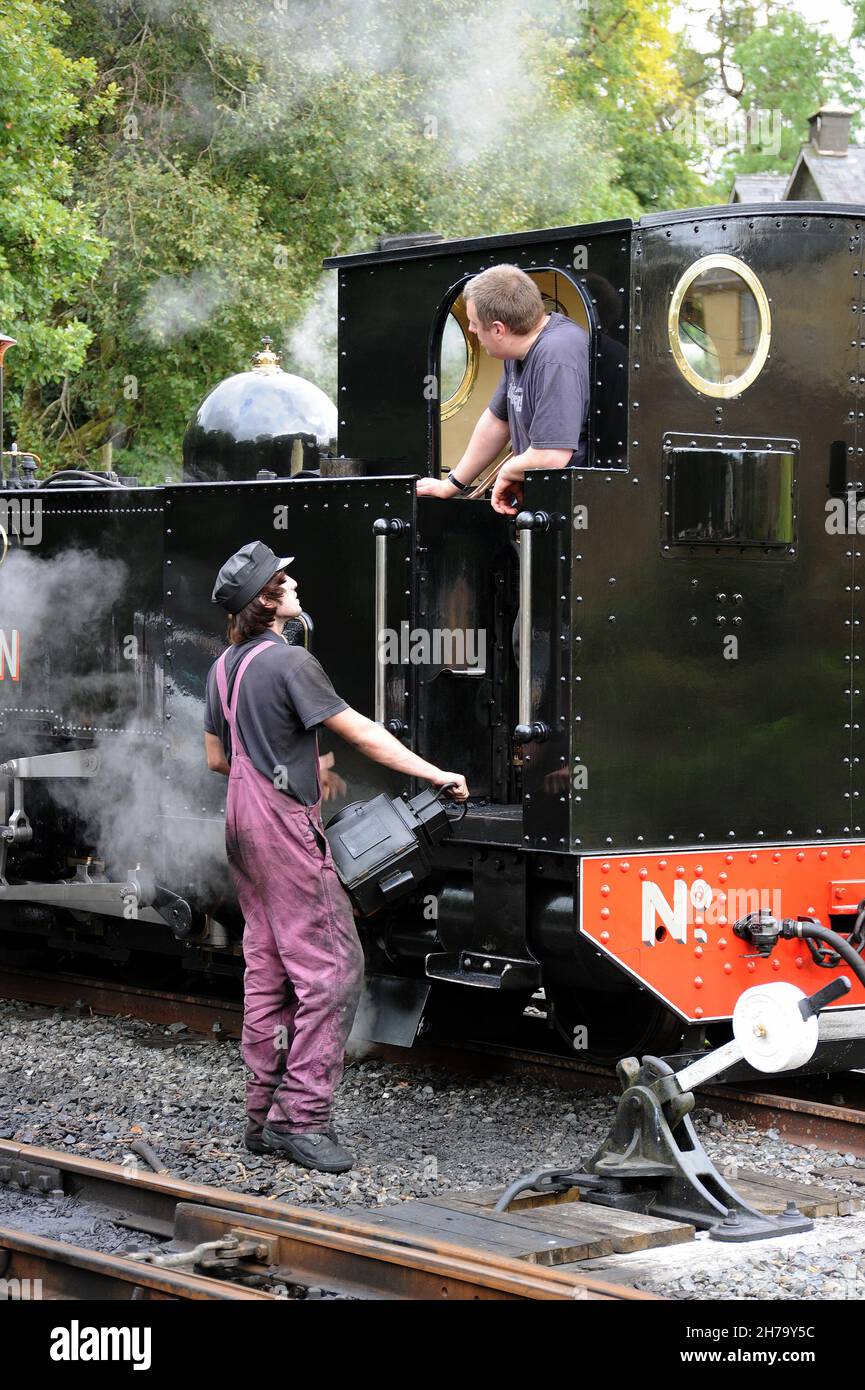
(651, 679)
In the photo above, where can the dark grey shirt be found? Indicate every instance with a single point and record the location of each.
(545, 398)
(285, 694)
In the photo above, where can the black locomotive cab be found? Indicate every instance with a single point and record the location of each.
(651, 678)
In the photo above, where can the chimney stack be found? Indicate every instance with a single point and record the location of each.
(830, 130)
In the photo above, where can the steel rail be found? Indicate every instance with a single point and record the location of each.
(199, 1012)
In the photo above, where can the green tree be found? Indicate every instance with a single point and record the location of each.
(249, 141)
(229, 169)
(48, 246)
(621, 61)
(775, 68)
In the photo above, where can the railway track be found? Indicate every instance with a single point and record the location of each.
(804, 1110)
(226, 1245)
(825, 1112)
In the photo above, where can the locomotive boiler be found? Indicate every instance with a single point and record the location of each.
(651, 678)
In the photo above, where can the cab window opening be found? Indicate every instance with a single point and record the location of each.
(467, 376)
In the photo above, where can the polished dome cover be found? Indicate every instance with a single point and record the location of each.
(261, 418)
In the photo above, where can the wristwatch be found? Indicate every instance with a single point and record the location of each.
(460, 487)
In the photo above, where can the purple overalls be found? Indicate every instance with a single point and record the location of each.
(304, 961)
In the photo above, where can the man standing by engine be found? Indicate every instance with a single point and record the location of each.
(303, 957)
(542, 401)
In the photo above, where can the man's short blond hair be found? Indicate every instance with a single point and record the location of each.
(506, 293)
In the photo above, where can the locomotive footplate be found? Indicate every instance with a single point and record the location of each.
(652, 1161)
(483, 971)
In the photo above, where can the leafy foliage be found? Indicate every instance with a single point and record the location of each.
(174, 171)
(779, 69)
(620, 60)
(48, 245)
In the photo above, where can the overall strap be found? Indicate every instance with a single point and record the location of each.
(230, 710)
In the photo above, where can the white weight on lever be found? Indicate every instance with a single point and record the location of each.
(770, 1030)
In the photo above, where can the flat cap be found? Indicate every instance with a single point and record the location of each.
(245, 574)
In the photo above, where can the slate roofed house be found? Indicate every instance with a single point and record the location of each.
(759, 188)
(828, 168)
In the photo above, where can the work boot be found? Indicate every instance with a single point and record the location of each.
(253, 1140)
(321, 1151)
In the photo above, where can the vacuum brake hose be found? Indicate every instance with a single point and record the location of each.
(837, 943)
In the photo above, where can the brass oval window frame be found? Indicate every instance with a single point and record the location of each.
(456, 401)
(722, 390)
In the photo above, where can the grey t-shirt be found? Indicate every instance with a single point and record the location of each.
(284, 695)
(545, 398)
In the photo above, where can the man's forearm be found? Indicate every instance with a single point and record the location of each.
(376, 743)
(534, 459)
(489, 437)
(215, 754)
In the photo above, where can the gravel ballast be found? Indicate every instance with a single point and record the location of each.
(92, 1086)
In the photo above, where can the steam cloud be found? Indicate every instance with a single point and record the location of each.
(175, 305)
(312, 342)
(146, 806)
(58, 600)
(479, 69)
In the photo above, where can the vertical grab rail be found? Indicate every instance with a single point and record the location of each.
(382, 529)
(528, 730)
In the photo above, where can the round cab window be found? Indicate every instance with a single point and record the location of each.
(719, 326)
(459, 364)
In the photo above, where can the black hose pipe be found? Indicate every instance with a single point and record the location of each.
(79, 477)
(839, 944)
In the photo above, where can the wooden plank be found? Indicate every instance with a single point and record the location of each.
(503, 1234)
(527, 1201)
(411, 1231)
(771, 1194)
(773, 1201)
(626, 1230)
(843, 1174)
(774, 1183)
(623, 1225)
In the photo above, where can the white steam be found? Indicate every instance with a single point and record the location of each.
(175, 305)
(477, 87)
(85, 659)
(312, 351)
(53, 601)
(491, 87)
(310, 40)
(157, 809)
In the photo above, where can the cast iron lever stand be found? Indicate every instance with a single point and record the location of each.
(652, 1160)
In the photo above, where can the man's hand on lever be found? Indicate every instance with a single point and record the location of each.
(458, 791)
